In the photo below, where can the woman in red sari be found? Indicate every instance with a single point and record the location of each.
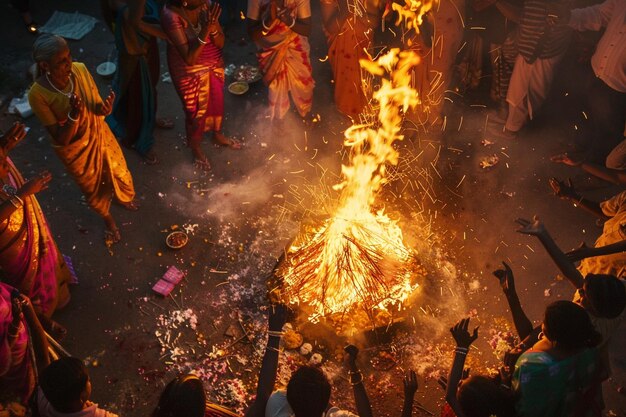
(194, 57)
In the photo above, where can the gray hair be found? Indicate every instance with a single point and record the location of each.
(47, 46)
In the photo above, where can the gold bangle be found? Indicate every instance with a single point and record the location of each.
(19, 203)
(273, 348)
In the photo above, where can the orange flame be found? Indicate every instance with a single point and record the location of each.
(358, 258)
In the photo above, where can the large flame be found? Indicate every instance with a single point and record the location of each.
(358, 257)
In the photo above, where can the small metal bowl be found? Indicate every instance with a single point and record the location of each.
(238, 88)
(106, 69)
(177, 240)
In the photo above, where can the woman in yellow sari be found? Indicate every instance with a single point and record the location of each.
(67, 102)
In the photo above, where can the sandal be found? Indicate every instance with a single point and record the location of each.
(112, 236)
(164, 123)
(150, 158)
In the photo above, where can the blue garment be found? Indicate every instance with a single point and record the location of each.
(133, 118)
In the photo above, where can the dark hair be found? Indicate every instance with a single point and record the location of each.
(480, 396)
(308, 392)
(606, 294)
(182, 397)
(177, 3)
(63, 382)
(569, 325)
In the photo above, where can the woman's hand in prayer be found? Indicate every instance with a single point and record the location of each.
(563, 189)
(461, 335)
(213, 15)
(107, 105)
(36, 184)
(533, 228)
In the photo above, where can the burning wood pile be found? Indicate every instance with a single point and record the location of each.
(357, 260)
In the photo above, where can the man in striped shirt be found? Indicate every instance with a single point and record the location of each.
(541, 45)
(607, 93)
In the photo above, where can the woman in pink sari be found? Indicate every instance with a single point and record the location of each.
(281, 28)
(29, 258)
(194, 57)
(23, 345)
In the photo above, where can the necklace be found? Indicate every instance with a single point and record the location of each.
(69, 94)
(197, 28)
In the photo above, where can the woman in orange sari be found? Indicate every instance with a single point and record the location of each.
(29, 258)
(67, 102)
(349, 27)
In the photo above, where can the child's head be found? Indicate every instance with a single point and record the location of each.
(183, 396)
(308, 392)
(65, 383)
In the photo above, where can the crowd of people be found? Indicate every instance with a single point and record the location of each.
(558, 367)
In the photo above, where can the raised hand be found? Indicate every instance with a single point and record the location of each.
(563, 189)
(581, 252)
(505, 276)
(352, 352)
(565, 159)
(76, 104)
(213, 15)
(13, 136)
(461, 335)
(277, 317)
(36, 184)
(533, 228)
(107, 105)
(410, 384)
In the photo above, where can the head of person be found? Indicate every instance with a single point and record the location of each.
(481, 396)
(183, 396)
(65, 383)
(187, 4)
(568, 326)
(53, 57)
(308, 392)
(603, 295)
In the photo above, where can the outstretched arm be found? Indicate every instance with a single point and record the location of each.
(614, 176)
(523, 325)
(269, 364)
(566, 191)
(362, 401)
(463, 342)
(410, 387)
(567, 268)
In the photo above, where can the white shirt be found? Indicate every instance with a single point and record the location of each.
(609, 60)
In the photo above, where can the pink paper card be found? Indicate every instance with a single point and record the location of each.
(173, 275)
(163, 287)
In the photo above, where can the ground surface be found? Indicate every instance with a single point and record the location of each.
(252, 205)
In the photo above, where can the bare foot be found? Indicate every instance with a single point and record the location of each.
(131, 205)
(222, 140)
(111, 233)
